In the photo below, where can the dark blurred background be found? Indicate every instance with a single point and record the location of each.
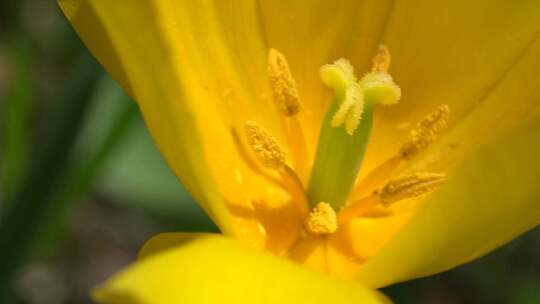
(82, 185)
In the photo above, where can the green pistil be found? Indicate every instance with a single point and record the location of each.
(345, 130)
(338, 159)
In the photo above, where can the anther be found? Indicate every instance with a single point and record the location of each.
(409, 186)
(425, 132)
(381, 61)
(282, 84)
(264, 145)
(321, 220)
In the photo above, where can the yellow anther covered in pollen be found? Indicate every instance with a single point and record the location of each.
(340, 77)
(264, 145)
(282, 84)
(321, 220)
(381, 61)
(409, 186)
(426, 131)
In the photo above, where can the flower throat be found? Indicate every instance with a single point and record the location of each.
(343, 138)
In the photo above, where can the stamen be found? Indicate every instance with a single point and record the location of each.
(285, 95)
(409, 186)
(381, 61)
(300, 154)
(421, 136)
(282, 84)
(296, 189)
(425, 132)
(272, 156)
(264, 145)
(358, 208)
(321, 220)
(252, 163)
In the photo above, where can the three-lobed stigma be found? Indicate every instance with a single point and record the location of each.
(376, 86)
(340, 77)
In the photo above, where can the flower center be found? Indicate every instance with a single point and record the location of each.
(343, 139)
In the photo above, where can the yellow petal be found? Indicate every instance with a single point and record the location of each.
(97, 37)
(198, 72)
(206, 268)
(455, 53)
(512, 102)
(506, 106)
(489, 199)
(114, 32)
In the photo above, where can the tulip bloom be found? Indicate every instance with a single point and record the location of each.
(425, 162)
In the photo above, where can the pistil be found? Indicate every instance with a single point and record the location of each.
(346, 128)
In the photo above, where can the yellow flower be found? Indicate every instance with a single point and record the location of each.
(232, 93)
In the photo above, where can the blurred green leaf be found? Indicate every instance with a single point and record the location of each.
(16, 118)
(528, 292)
(9, 14)
(136, 174)
(28, 210)
(91, 149)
